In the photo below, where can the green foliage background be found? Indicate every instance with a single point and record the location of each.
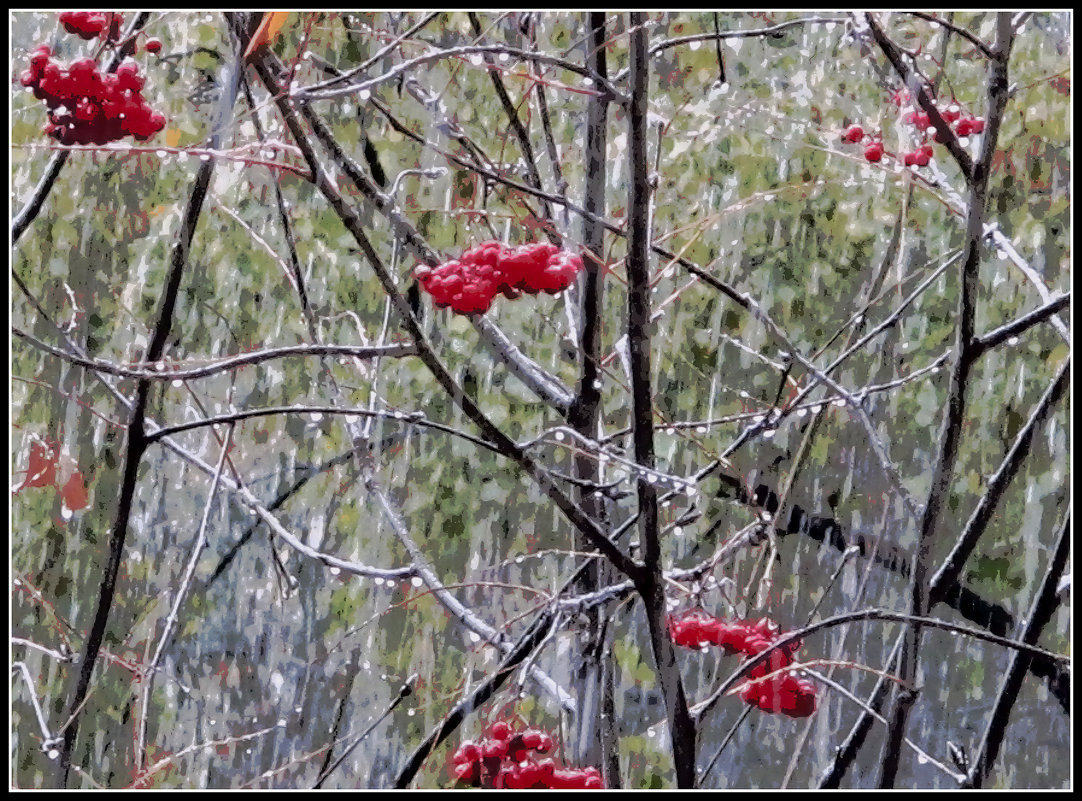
(754, 186)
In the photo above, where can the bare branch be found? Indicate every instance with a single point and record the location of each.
(958, 29)
(168, 371)
(1044, 605)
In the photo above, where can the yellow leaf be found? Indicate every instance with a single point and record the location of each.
(172, 137)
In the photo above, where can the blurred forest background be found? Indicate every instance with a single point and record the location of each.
(353, 524)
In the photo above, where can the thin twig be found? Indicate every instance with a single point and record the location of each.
(170, 623)
(170, 371)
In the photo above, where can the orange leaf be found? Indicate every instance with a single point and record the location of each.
(269, 27)
(74, 492)
(41, 472)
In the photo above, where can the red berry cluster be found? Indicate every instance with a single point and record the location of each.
(783, 693)
(507, 759)
(87, 107)
(469, 283)
(963, 125)
(90, 24)
(873, 149)
(919, 157)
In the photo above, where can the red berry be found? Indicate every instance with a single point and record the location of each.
(499, 730)
(467, 771)
(153, 45)
(969, 125)
(951, 114)
(565, 779)
(468, 751)
(804, 704)
(529, 774)
(39, 57)
(86, 24)
(873, 152)
(853, 134)
(916, 158)
(128, 76)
